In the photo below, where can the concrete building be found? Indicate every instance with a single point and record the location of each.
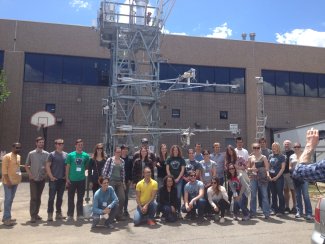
(63, 69)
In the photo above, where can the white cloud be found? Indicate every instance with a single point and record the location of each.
(305, 37)
(222, 31)
(165, 31)
(78, 4)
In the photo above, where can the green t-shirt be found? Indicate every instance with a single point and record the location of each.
(78, 163)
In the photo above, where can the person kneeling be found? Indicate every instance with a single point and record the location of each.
(168, 199)
(194, 197)
(105, 203)
(218, 199)
(146, 191)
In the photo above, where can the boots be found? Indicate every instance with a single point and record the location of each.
(50, 217)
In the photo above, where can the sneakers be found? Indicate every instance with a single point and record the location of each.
(50, 217)
(33, 220)
(69, 218)
(309, 217)
(297, 216)
(222, 220)
(109, 226)
(8, 222)
(120, 218)
(59, 216)
(126, 214)
(293, 210)
(38, 217)
(245, 218)
(287, 210)
(151, 222)
(80, 217)
(217, 218)
(235, 218)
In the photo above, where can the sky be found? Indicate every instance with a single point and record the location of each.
(297, 22)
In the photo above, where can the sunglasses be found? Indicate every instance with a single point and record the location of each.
(256, 147)
(192, 175)
(18, 147)
(205, 154)
(59, 143)
(99, 148)
(297, 147)
(214, 183)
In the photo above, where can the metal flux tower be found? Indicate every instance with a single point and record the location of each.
(260, 115)
(132, 34)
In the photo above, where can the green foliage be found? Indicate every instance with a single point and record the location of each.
(4, 92)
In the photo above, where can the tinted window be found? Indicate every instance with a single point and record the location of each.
(282, 83)
(206, 76)
(53, 69)
(310, 85)
(237, 77)
(321, 85)
(296, 84)
(221, 76)
(72, 70)
(34, 67)
(269, 82)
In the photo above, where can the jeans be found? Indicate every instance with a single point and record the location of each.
(78, 186)
(57, 188)
(36, 190)
(255, 185)
(10, 192)
(179, 186)
(126, 194)
(120, 192)
(302, 191)
(277, 193)
(168, 214)
(111, 217)
(139, 217)
(222, 205)
(200, 205)
(241, 204)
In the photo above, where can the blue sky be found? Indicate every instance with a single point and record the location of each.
(287, 21)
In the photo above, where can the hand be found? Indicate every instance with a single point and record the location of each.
(176, 180)
(216, 209)
(30, 176)
(144, 209)
(312, 138)
(173, 209)
(67, 183)
(53, 178)
(188, 208)
(191, 204)
(106, 210)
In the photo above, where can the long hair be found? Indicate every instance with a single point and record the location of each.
(146, 158)
(217, 190)
(228, 171)
(228, 156)
(277, 147)
(161, 156)
(179, 154)
(169, 177)
(102, 154)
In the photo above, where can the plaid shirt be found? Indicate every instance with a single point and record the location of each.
(310, 172)
(108, 169)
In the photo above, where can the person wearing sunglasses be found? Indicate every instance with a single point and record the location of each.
(218, 199)
(258, 172)
(55, 169)
(301, 186)
(11, 177)
(96, 165)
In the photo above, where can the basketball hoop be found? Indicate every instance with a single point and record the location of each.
(42, 119)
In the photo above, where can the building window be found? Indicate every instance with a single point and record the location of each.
(66, 69)
(205, 74)
(286, 83)
(1, 59)
(223, 114)
(50, 107)
(176, 113)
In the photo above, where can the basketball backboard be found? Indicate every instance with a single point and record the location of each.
(42, 119)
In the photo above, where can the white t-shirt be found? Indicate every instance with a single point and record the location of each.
(243, 153)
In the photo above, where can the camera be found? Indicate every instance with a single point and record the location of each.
(321, 134)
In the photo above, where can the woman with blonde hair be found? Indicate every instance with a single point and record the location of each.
(277, 165)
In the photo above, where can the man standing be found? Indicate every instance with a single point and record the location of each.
(219, 158)
(11, 177)
(128, 177)
(35, 167)
(146, 191)
(76, 164)
(198, 154)
(288, 182)
(242, 158)
(55, 169)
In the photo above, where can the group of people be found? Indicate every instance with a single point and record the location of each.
(203, 184)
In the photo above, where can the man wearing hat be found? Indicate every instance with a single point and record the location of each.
(145, 143)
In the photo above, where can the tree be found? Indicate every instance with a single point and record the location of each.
(4, 92)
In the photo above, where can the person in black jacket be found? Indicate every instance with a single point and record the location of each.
(168, 199)
(128, 165)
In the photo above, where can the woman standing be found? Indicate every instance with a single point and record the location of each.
(240, 191)
(140, 163)
(277, 165)
(161, 164)
(230, 158)
(175, 166)
(218, 199)
(96, 165)
(114, 170)
(258, 172)
(167, 199)
(301, 186)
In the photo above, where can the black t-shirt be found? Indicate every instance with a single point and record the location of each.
(287, 154)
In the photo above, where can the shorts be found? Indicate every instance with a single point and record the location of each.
(288, 182)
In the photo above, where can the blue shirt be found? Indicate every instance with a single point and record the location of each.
(310, 172)
(276, 161)
(104, 199)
